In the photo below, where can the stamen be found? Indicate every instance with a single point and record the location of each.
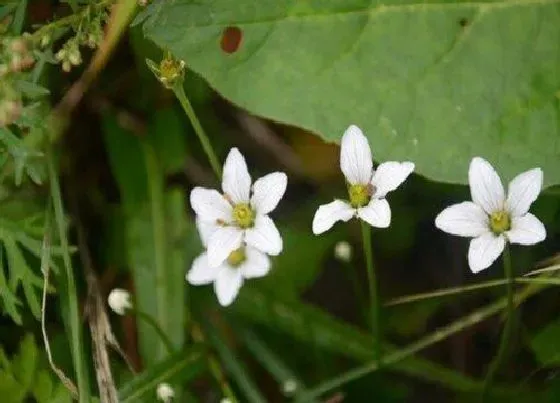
(500, 222)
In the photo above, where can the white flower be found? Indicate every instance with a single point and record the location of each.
(343, 251)
(119, 301)
(493, 219)
(165, 392)
(238, 216)
(367, 187)
(243, 263)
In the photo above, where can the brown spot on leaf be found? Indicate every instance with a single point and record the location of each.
(464, 22)
(231, 39)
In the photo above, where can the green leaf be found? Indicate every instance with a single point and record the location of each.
(10, 390)
(436, 83)
(30, 89)
(545, 344)
(24, 365)
(180, 368)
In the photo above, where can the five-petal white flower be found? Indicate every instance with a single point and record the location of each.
(493, 219)
(243, 263)
(367, 187)
(237, 215)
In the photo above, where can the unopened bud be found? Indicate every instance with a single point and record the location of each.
(343, 251)
(165, 392)
(45, 40)
(75, 57)
(66, 66)
(119, 301)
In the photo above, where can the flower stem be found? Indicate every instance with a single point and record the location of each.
(508, 326)
(372, 281)
(179, 92)
(150, 321)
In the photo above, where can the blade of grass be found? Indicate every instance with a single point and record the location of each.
(233, 364)
(179, 368)
(441, 334)
(76, 337)
(290, 384)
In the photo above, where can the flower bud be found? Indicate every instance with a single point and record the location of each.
(75, 57)
(45, 40)
(165, 392)
(119, 300)
(343, 251)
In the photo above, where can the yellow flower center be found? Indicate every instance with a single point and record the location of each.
(500, 222)
(360, 195)
(243, 215)
(237, 257)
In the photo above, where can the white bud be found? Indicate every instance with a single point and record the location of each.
(226, 400)
(343, 251)
(165, 392)
(119, 301)
(289, 387)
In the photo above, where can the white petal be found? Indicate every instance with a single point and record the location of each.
(222, 242)
(526, 230)
(227, 285)
(206, 229)
(236, 181)
(355, 156)
(267, 192)
(210, 205)
(389, 176)
(201, 272)
(523, 190)
(377, 213)
(264, 236)
(486, 187)
(327, 214)
(483, 250)
(257, 264)
(463, 219)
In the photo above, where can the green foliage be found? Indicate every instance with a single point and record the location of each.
(181, 367)
(545, 344)
(433, 83)
(26, 376)
(21, 249)
(155, 222)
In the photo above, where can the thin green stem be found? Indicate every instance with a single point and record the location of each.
(508, 326)
(374, 299)
(76, 337)
(467, 288)
(149, 320)
(179, 92)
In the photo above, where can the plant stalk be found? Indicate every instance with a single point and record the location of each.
(179, 92)
(374, 298)
(500, 357)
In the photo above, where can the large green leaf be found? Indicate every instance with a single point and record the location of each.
(433, 82)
